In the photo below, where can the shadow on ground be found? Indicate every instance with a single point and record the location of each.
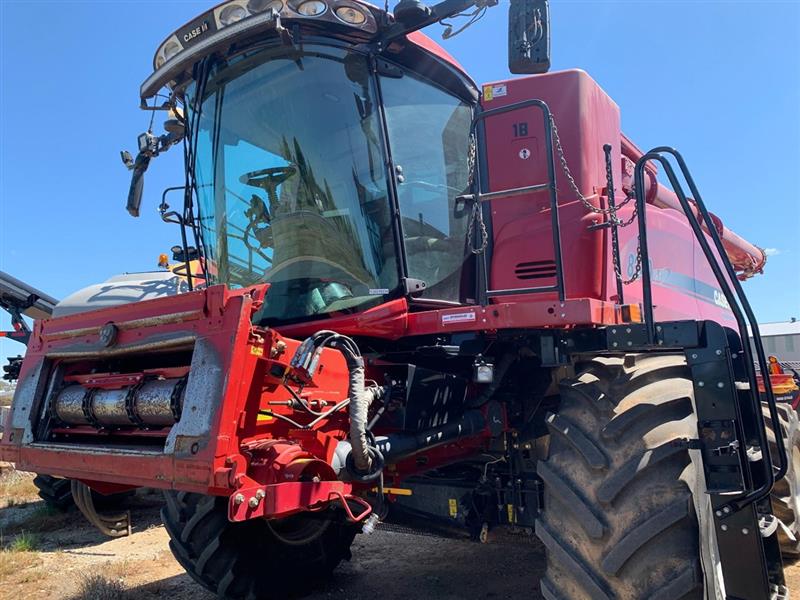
(398, 566)
(67, 530)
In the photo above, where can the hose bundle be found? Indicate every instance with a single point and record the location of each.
(365, 461)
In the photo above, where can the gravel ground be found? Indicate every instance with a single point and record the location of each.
(385, 565)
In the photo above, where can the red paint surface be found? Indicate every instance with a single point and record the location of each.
(683, 286)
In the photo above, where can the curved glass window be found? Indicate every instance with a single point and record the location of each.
(429, 141)
(291, 181)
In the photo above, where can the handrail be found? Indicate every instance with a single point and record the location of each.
(614, 226)
(737, 301)
(551, 185)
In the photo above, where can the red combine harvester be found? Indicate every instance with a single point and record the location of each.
(407, 298)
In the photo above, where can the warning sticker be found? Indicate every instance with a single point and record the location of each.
(462, 317)
(490, 92)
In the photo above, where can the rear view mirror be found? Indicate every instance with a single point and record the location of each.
(529, 36)
(137, 184)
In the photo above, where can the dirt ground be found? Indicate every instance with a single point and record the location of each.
(47, 555)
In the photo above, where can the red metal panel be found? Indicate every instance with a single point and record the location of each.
(534, 313)
(219, 317)
(586, 119)
(423, 41)
(284, 499)
(389, 320)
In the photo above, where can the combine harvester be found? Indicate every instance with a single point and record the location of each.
(413, 299)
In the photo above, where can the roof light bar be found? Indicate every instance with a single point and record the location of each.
(220, 25)
(183, 60)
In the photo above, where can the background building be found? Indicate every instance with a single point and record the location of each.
(782, 339)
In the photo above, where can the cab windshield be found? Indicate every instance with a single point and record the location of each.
(291, 178)
(291, 181)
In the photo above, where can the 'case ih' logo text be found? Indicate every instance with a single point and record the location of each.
(199, 30)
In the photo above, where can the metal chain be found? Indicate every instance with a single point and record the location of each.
(611, 211)
(477, 209)
(477, 217)
(637, 267)
(629, 195)
(471, 159)
(571, 180)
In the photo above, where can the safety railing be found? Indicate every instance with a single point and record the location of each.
(732, 290)
(480, 196)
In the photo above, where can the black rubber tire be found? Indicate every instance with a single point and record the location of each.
(57, 492)
(619, 520)
(54, 491)
(246, 561)
(785, 494)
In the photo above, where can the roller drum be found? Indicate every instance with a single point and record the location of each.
(147, 405)
(68, 405)
(108, 407)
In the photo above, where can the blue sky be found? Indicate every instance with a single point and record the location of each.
(718, 80)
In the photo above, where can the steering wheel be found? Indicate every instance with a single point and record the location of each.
(269, 179)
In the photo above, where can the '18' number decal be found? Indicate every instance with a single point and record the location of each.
(520, 129)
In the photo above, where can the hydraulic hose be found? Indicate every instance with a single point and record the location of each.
(398, 446)
(360, 400)
(361, 397)
(365, 460)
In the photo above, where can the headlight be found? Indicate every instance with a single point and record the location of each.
(168, 49)
(233, 13)
(171, 48)
(257, 6)
(312, 8)
(351, 15)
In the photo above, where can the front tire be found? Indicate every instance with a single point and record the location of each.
(256, 559)
(56, 492)
(619, 519)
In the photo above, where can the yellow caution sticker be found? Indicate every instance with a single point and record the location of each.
(453, 507)
(263, 417)
(490, 92)
(512, 517)
(395, 491)
(256, 350)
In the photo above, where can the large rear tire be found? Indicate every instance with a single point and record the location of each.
(619, 519)
(257, 559)
(786, 492)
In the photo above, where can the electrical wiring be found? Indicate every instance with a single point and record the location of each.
(491, 462)
(476, 15)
